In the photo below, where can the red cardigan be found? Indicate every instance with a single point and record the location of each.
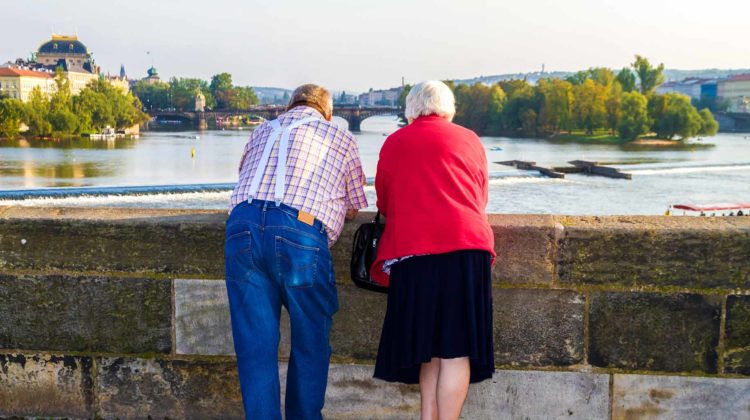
(431, 185)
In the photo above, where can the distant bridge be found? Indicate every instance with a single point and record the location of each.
(354, 115)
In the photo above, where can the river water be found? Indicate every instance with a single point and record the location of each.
(79, 172)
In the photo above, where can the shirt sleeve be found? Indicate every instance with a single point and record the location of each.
(246, 152)
(355, 179)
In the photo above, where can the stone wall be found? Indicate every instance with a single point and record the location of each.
(122, 314)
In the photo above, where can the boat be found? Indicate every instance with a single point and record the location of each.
(108, 133)
(733, 209)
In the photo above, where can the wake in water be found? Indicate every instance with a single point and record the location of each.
(689, 169)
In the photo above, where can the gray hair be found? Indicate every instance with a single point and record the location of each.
(314, 96)
(430, 98)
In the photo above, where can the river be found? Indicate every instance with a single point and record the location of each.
(75, 172)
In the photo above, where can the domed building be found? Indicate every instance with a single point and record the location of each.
(68, 52)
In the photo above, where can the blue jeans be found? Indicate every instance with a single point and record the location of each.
(274, 260)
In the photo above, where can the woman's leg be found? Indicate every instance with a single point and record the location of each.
(428, 381)
(452, 386)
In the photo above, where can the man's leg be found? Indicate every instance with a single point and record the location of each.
(255, 305)
(311, 300)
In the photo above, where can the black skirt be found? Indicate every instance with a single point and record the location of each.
(438, 306)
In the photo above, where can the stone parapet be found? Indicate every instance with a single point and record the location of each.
(122, 313)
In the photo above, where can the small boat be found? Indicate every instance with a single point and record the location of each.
(733, 209)
(496, 148)
(108, 133)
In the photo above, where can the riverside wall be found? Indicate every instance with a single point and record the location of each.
(121, 313)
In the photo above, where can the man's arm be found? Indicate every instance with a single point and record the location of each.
(355, 183)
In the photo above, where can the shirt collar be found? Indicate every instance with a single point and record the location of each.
(305, 111)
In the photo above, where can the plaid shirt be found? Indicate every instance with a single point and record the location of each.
(324, 174)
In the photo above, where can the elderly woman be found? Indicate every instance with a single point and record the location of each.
(436, 254)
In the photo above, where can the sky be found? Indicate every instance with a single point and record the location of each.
(355, 45)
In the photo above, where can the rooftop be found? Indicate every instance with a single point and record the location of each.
(9, 72)
(63, 44)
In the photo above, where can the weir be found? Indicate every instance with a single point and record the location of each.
(121, 313)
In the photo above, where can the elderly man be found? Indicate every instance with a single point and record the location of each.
(300, 177)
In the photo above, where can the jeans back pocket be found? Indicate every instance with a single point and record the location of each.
(297, 264)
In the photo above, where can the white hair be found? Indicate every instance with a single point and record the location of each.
(430, 98)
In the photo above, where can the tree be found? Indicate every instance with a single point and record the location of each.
(183, 91)
(520, 97)
(152, 95)
(242, 97)
(37, 114)
(649, 77)
(634, 119)
(11, 114)
(221, 88)
(613, 105)
(674, 116)
(709, 126)
(556, 109)
(479, 107)
(589, 110)
(626, 78)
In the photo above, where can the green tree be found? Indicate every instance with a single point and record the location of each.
(709, 126)
(11, 115)
(37, 114)
(674, 116)
(649, 77)
(634, 120)
(521, 97)
(613, 105)
(222, 90)
(479, 107)
(626, 78)
(556, 110)
(152, 95)
(589, 109)
(183, 90)
(242, 97)
(402, 96)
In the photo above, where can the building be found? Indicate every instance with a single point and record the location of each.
(153, 76)
(380, 97)
(18, 83)
(692, 87)
(72, 55)
(735, 90)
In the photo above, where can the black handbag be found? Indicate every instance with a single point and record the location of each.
(364, 252)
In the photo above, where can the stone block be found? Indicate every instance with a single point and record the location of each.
(538, 327)
(679, 397)
(738, 321)
(184, 389)
(44, 385)
(353, 393)
(539, 395)
(655, 251)
(358, 323)
(737, 341)
(168, 244)
(202, 321)
(103, 314)
(525, 247)
(651, 331)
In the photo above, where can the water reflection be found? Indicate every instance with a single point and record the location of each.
(70, 143)
(56, 170)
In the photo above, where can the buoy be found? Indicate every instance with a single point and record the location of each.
(192, 152)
